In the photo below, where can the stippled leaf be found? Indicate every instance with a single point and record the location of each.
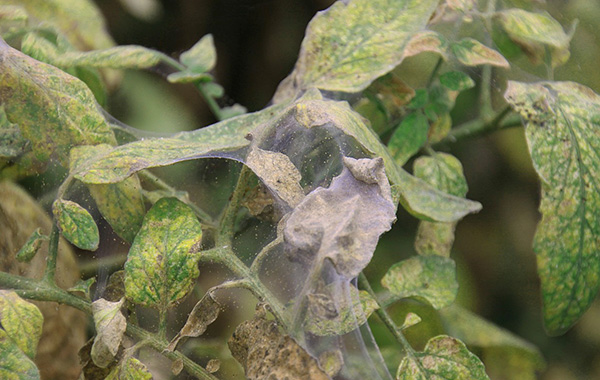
(12, 142)
(54, 110)
(444, 172)
(563, 135)
(409, 137)
(462, 5)
(200, 59)
(21, 321)
(444, 357)
(76, 224)
(203, 314)
(471, 52)
(110, 326)
(121, 162)
(410, 320)
(118, 57)
(278, 173)
(432, 278)
(522, 359)
(31, 246)
(130, 369)
(121, 203)
(14, 364)
(343, 222)
(427, 40)
(456, 81)
(80, 21)
(266, 353)
(534, 33)
(335, 315)
(353, 43)
(162, 264)
(83, 286)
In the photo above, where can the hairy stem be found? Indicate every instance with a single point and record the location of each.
(50, 270)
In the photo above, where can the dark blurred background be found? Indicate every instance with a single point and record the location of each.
(257, 42)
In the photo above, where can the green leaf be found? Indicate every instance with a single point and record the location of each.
(110, 326)
(563, 135)
(54, 110)
(14, 364)
(122, 161)
(118, 57)
(409, 137)
(444, 172)
(162, 264)
(427, 40)
(432, 278)
(462, 5)
(31, 246)
(471, 52)
(534, 33)
(121, 203)
(456, 81)
(130, 369)
(76, 224)
(201, 57)
(21, 321)
(444, 357)
(522, 359)
(351, 44)
(80, 21)
(83, 286)
(420, 99)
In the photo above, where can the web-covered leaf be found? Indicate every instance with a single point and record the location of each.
(203, 314)
(21, 321)
(432, 278)
(353, 43)
(31, 246)
(130, 369)
(563, 135)
(503, 352)
(110, 326)
(76, 224)
(199, 59)
(443, 358)
(53, 110)
(162, 263)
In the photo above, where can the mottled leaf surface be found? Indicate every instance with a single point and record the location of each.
(130, 369)
(110, 326)
(118, 57)
(444, 358)
(12, 142)
(534, 33)
(444, 172)
(22, 322)
(266, 353)
(31, 246)
(121, 203)
(427, 40)
(523, 359)
(563, 135)
(352, 43)
(162, 264)
(203, 314)
(14, 364)
(471, 52)
(432, 278)
(76, 224)
(54, 110)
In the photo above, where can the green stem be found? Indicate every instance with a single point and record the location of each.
(227, 223)
(502, 120)
(50, 270)
(212, 104)
(226, 257)
(387, 320)
(437, 67)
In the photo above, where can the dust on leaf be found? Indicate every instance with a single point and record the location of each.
(162, 263)
(266, 353)
(12, 142)
(110, 326)
(203, 314)
(76, 224)
(444, 357)
(31, 246)
(130, 369)
(22, 322)
(353, 43)
(563, 135)
(444, 172)
(432, 278)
